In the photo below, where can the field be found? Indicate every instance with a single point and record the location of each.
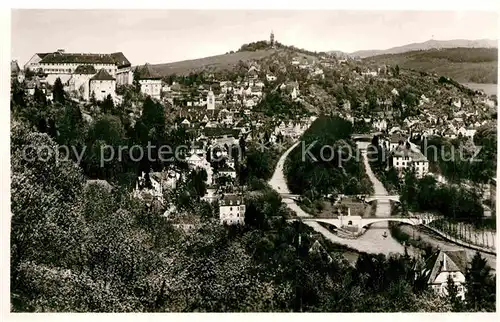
(466, 65)
(214, 63)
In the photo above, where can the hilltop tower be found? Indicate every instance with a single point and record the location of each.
(271, 39)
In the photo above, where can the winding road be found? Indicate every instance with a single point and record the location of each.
(371, 241)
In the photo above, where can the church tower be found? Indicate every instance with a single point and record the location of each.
(210, 100)
(271, 39)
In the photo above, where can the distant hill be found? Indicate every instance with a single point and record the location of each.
(465, 65)
(340, 54)
(214, 63)
(430, 44)
(254, 51)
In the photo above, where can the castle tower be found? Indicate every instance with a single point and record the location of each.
(271, 39)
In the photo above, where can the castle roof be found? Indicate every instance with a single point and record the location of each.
(147, 72)
(85, 69)
(102, 75)
(73, 58)
(120, 60)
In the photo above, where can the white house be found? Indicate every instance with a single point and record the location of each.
(369, 73)
(457, 103)
(380, 124)
(270, 78)
(249, 103)
(186, 123)
(232, 210)
(319, 72)
(102, 84)
(124, 74)
(34, 63)
(228, 171)
(211, 194)
(150, 81)
(346, 105)
(407, 158)
(210, 100)
(443, 264)
(62, 65)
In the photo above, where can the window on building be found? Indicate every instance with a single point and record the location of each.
(231, 209)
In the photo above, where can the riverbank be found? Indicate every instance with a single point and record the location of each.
(421, 237)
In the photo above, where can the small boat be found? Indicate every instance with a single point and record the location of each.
(385, 234)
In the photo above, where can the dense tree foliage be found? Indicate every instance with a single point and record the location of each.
(459, 159)
(276, 104)
(326, 161)
(102, 251)
(480, 285)
(58, 94)
(455, 203)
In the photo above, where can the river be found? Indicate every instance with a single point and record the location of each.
(488, 89)
(371, 241)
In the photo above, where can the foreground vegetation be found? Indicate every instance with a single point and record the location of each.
(103, 251)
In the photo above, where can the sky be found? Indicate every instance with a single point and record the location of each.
(161, 36)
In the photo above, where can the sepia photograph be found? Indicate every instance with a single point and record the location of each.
(174, 160)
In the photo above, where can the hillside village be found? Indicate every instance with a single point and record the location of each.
(184, 188)
(229, 107)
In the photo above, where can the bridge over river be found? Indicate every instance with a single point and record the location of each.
(371, 241)
(364, 222)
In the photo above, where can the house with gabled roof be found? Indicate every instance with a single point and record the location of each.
(102, 84)
(34, 63)
(446, 263)
(150, 81)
